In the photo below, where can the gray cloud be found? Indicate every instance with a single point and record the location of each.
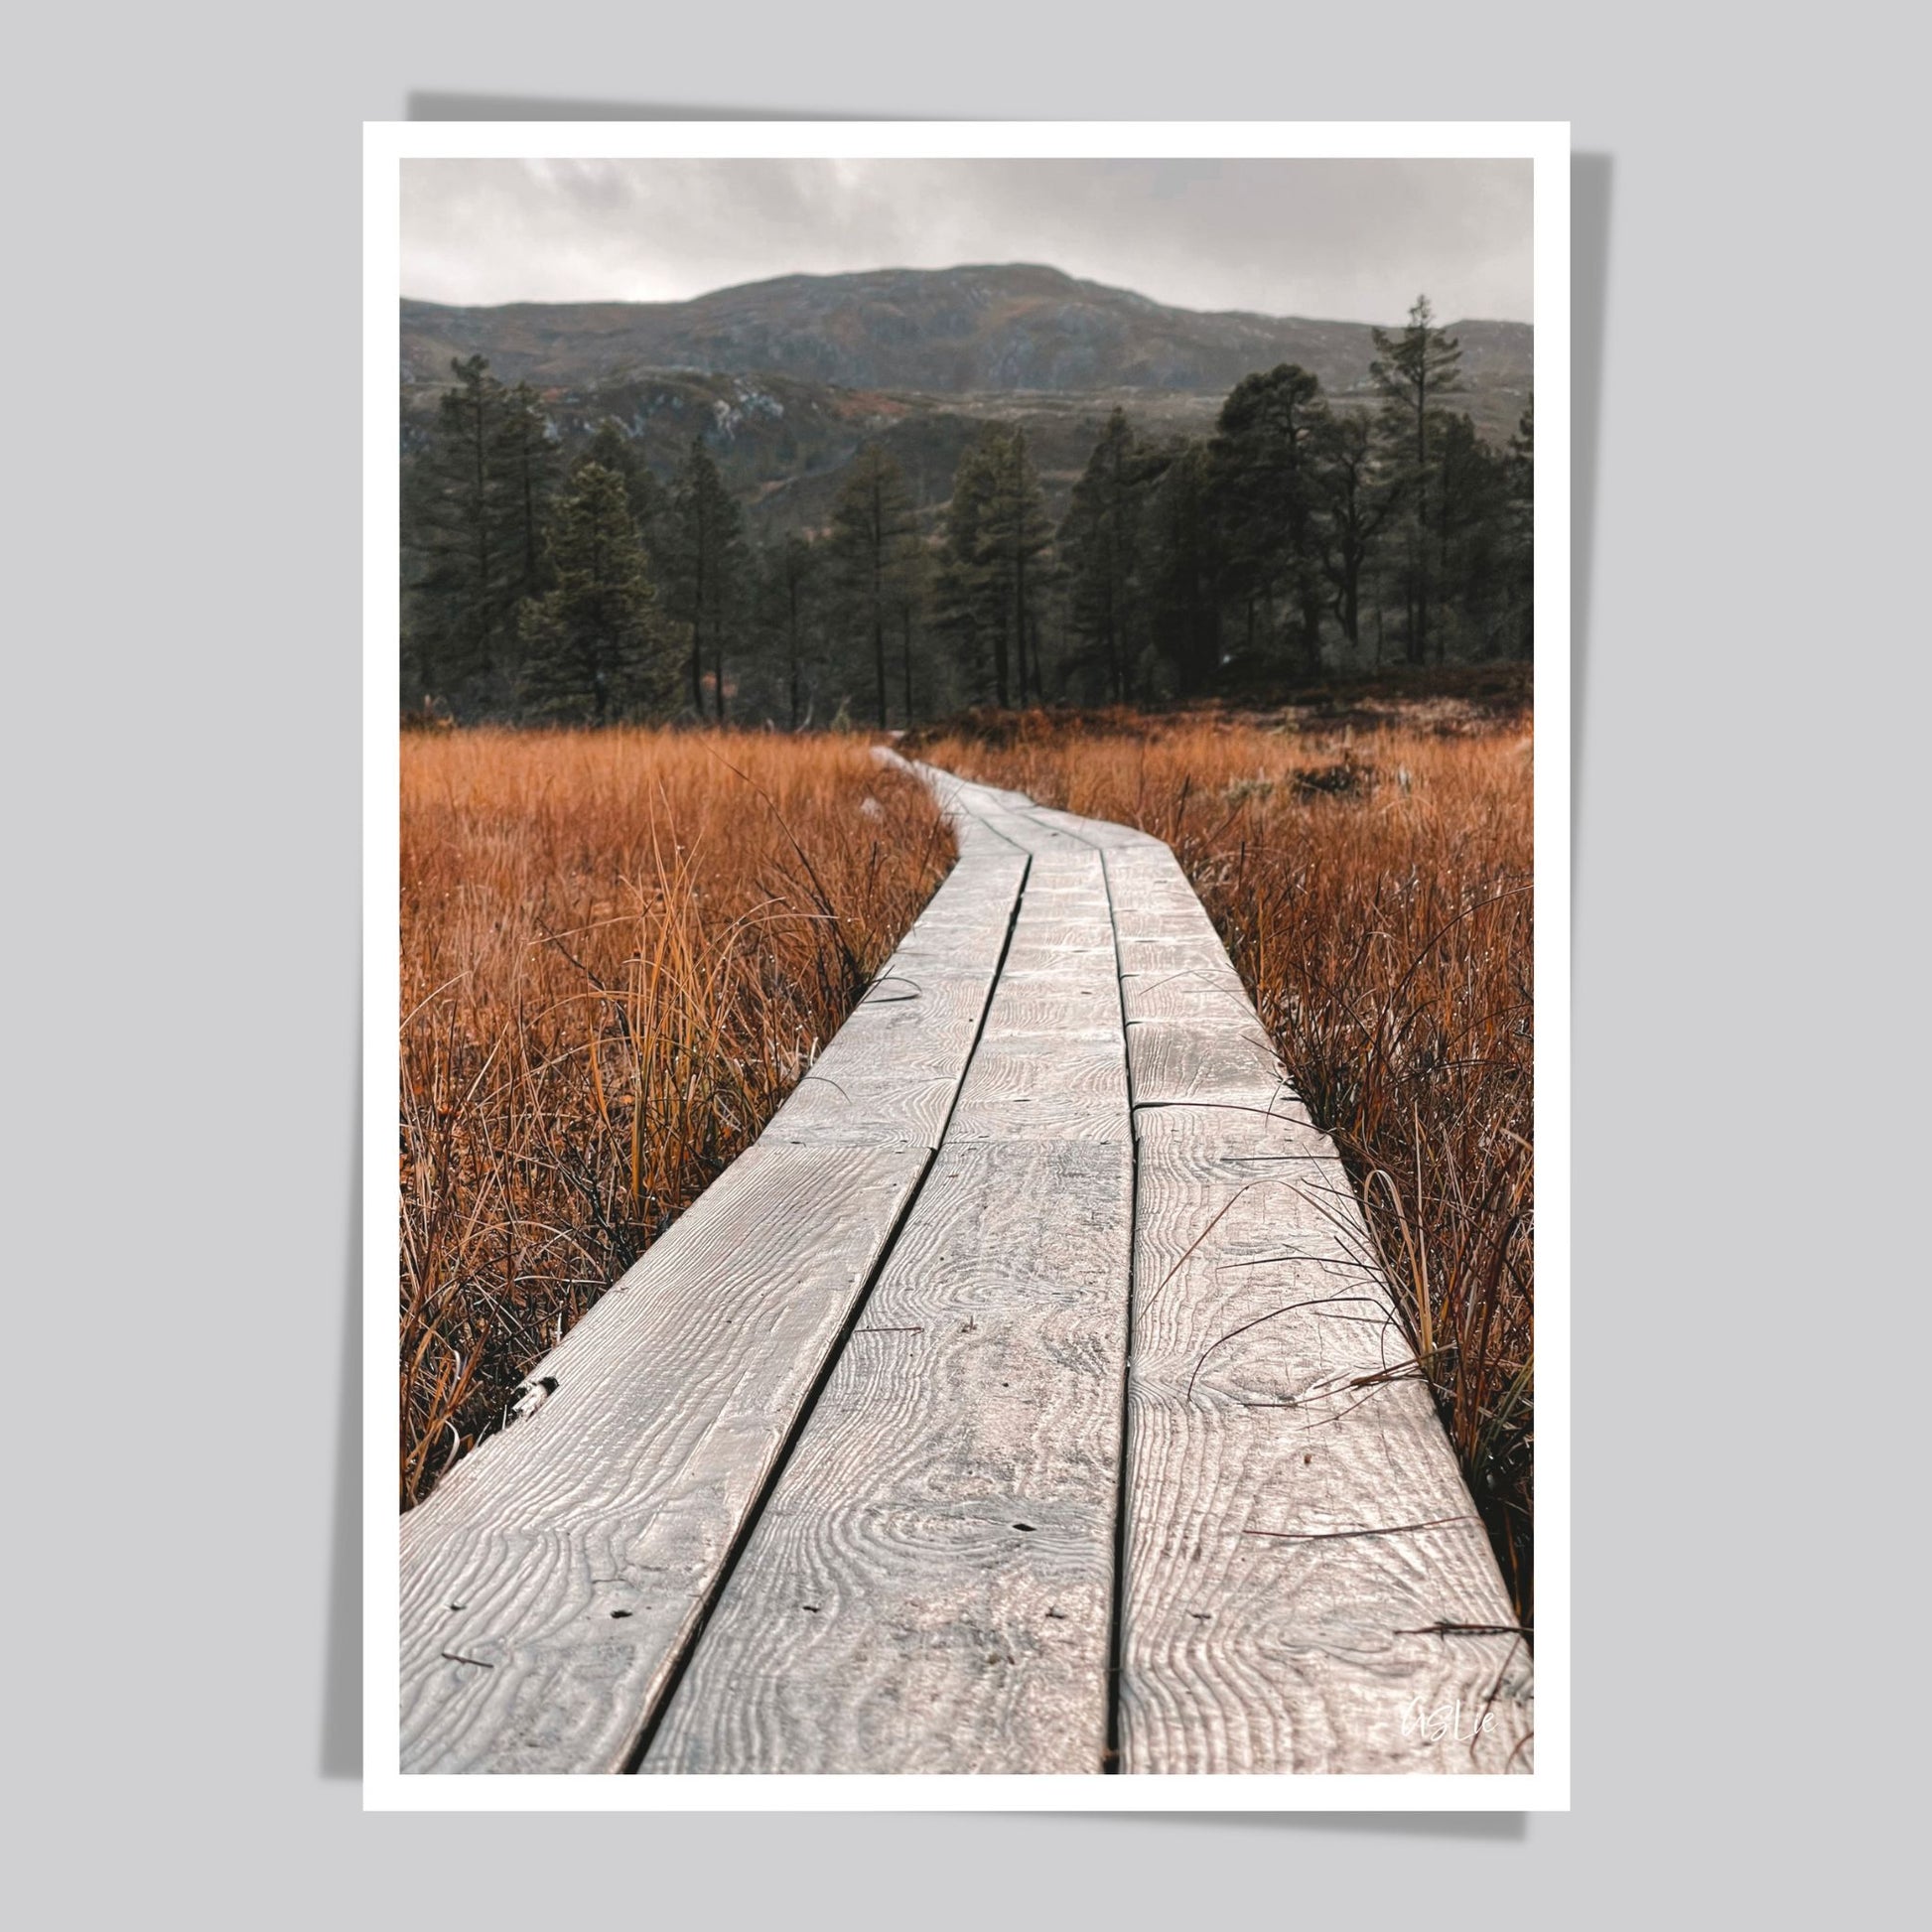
(1352, 241)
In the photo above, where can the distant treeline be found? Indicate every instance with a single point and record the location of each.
(548, 582)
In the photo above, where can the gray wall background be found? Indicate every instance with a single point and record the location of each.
(181, 777)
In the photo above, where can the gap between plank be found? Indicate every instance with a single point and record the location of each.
(1117, 1619)
(1117, 1614)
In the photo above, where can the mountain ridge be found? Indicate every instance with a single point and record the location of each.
(970, 330)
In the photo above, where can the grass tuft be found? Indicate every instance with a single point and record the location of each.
(620, 952)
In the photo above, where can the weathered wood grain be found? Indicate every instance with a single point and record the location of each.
(1098, 832)
(552, 1578)
(1036, 1087)
(1068, 1002)
(1295, 1523)
(1209, 1056)
(1162, 958)
(1184, 985)
(1261, 1630)
(893, 1070)
(1051, 1060)
(930, 1587)
(1317, 1648)
(979, 808)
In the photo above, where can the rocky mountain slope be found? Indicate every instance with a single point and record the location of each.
(949, 332)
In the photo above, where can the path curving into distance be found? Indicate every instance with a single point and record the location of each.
(1026, 1398)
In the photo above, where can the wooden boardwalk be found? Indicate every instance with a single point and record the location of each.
(1024, 1401)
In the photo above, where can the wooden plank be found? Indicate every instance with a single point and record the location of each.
(1009, 814)
(1041, 840)
(930, 1587)
(1042, 931)
(892, 1071)
(1159, 959)
(970, 794)
(1097, 831)
(977, 839)
(967, 894)
(553, 1577)
(1069, 999)
(971, 940)
(1165, 980)
(1186, 925)
(1044, 1086)
(1051, 1062)
(1071, 880)
(1146, 874)
(1216, 1057)
(1160, 911)
(1066, 895)
(1078, 959)
(1295, 1525)
(1155, 907)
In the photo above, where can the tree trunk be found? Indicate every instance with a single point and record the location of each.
(1419, 641)
(1020, 611)
(791, 595)
(530, 540)
(879, 587)
(484, 625)
(1442, 524)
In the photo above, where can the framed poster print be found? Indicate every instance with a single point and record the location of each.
(978, 1111)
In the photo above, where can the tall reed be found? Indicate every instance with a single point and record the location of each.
(619, 951)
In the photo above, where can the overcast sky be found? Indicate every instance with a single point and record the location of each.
(1349, 240)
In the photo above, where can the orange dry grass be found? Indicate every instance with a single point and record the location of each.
(1374, 891)
(619, 951)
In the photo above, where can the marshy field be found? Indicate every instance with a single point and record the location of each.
(620, 949)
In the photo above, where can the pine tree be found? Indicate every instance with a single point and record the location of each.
(595, 650)
(1181, 569)
(977, 638)
(994, 566)
(790, 596)
(1100, 544)
(707, 569)
(526, 461)
(1522, 496)
(614, 450)
(460, 539)
(872, 534)
(1356, 501)
(1413, 369)
(532, 464)
(912, 598)
(1474, 544)
(1262, 501)
(1024, 535)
